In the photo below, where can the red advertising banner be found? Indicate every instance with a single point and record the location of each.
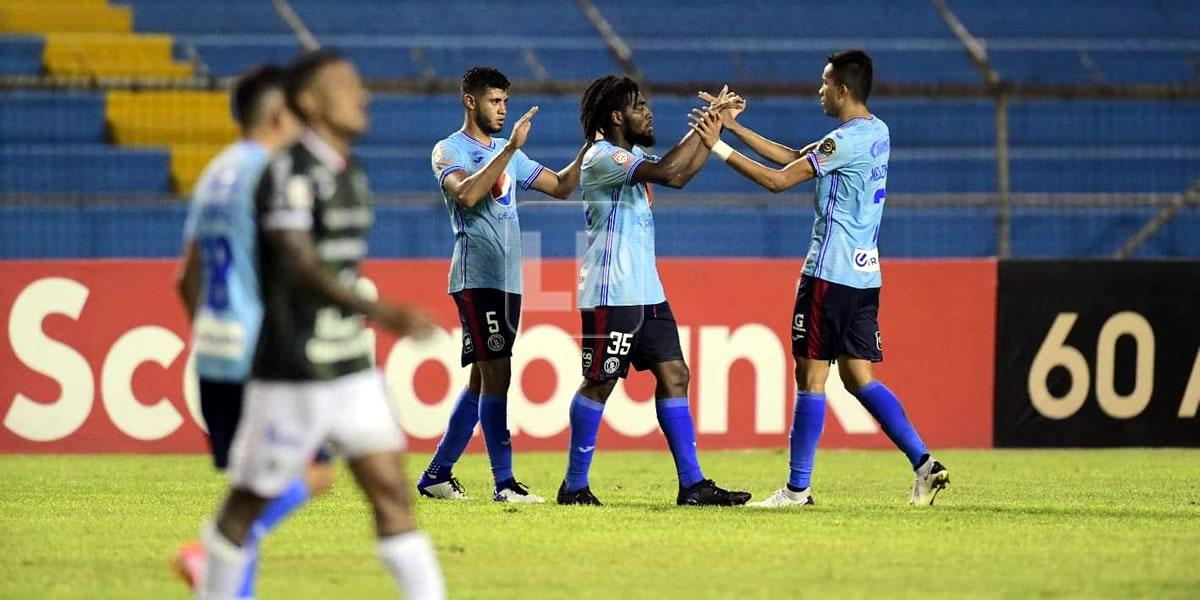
(94, 357)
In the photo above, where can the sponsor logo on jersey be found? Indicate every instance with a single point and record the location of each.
(468, 345)
(866, 260)
(878, 341)
(827, 147)
(502, 190)
(622, 157)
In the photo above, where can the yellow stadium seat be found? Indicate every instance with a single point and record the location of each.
(164, 118)
(187, 162)
(25, 16)
(112, 55)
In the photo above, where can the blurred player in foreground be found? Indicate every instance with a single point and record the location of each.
(837, 301)
(479, 175)
(218, 284)
(626, 317)
(313, 378)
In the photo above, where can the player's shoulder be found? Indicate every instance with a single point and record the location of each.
(604, 154)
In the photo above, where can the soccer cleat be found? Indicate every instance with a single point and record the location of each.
(515, 492)
(583, 497)
(189, 564)
(784, 498)
(931, 478)
(706, 493)
(449, 489)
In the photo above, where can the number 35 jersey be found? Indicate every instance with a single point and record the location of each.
(312, 189)
(221, 223)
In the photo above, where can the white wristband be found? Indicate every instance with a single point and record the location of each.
(722, 150)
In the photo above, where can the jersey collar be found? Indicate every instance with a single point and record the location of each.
(323, 151)
(489, 146)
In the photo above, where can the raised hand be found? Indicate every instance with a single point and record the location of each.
(520, 130)
(707, 125)
(729, 104)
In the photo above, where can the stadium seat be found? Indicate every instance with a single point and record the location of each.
(94, 170)
(20, 55)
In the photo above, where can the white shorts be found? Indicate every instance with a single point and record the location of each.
(285, 422)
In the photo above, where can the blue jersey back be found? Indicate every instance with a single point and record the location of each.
(487, 236)
(619, 266)
(221, 221)
(851, 165)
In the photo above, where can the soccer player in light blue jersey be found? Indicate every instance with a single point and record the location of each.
(218, 285)
(625, 313)
(837, 301)
(480, 177)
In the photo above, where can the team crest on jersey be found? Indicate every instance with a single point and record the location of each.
(611, 364)
(502, 190)
(495, 342)
(621, 157)
(827, 147)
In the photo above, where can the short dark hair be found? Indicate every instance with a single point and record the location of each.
(853, 69)
(605, 95)
(250, 89)
(302, 71)
(480, 79)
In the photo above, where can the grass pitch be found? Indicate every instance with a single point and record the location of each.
(1013, 524)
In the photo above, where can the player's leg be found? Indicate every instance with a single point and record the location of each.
(366, 430)
(815, 332)
(438, 480)
(607, 338)
(274, 443)
(316, 481)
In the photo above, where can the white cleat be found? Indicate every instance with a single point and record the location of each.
(783, 498)
(515, 492)
(450, 489)
(932, 477)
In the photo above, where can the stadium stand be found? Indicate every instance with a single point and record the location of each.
(154, 143)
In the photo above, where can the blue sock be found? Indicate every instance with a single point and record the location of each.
(808, 419)
(493, 416)
(676, 422)
(886, 408)
(585, 424)
(458, 435)
(292, 498)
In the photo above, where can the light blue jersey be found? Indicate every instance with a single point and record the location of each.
(851, 165)
(221, 220)
(619, 266)
(487, 237)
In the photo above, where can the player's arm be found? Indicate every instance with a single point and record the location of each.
(561, 184)
(774, 180)
(286, 224)
(771, 150)
(187, 279)
(470, 190)
(680, 164)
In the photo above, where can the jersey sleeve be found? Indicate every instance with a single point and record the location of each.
(447, 159)
(833, 152)
(284, 198)
(613, 166)
(526, 169)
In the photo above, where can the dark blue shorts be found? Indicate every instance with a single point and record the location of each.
(221, 407)
(616, 336)
(831, 320)
(489, 319)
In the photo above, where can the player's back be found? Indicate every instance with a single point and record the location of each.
(304, 336)
(221, 222)
(851, 164)
(619, 267)
(487, 236)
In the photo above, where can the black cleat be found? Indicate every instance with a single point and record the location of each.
(706, 493)
(582, 497)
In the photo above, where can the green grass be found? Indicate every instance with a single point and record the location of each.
(1013, 524)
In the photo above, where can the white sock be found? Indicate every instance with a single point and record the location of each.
(225, 566)
(410, 558)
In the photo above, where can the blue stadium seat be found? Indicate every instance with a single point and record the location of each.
(83, 170)
(51, 117)
(20, 55)
(221, 17)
